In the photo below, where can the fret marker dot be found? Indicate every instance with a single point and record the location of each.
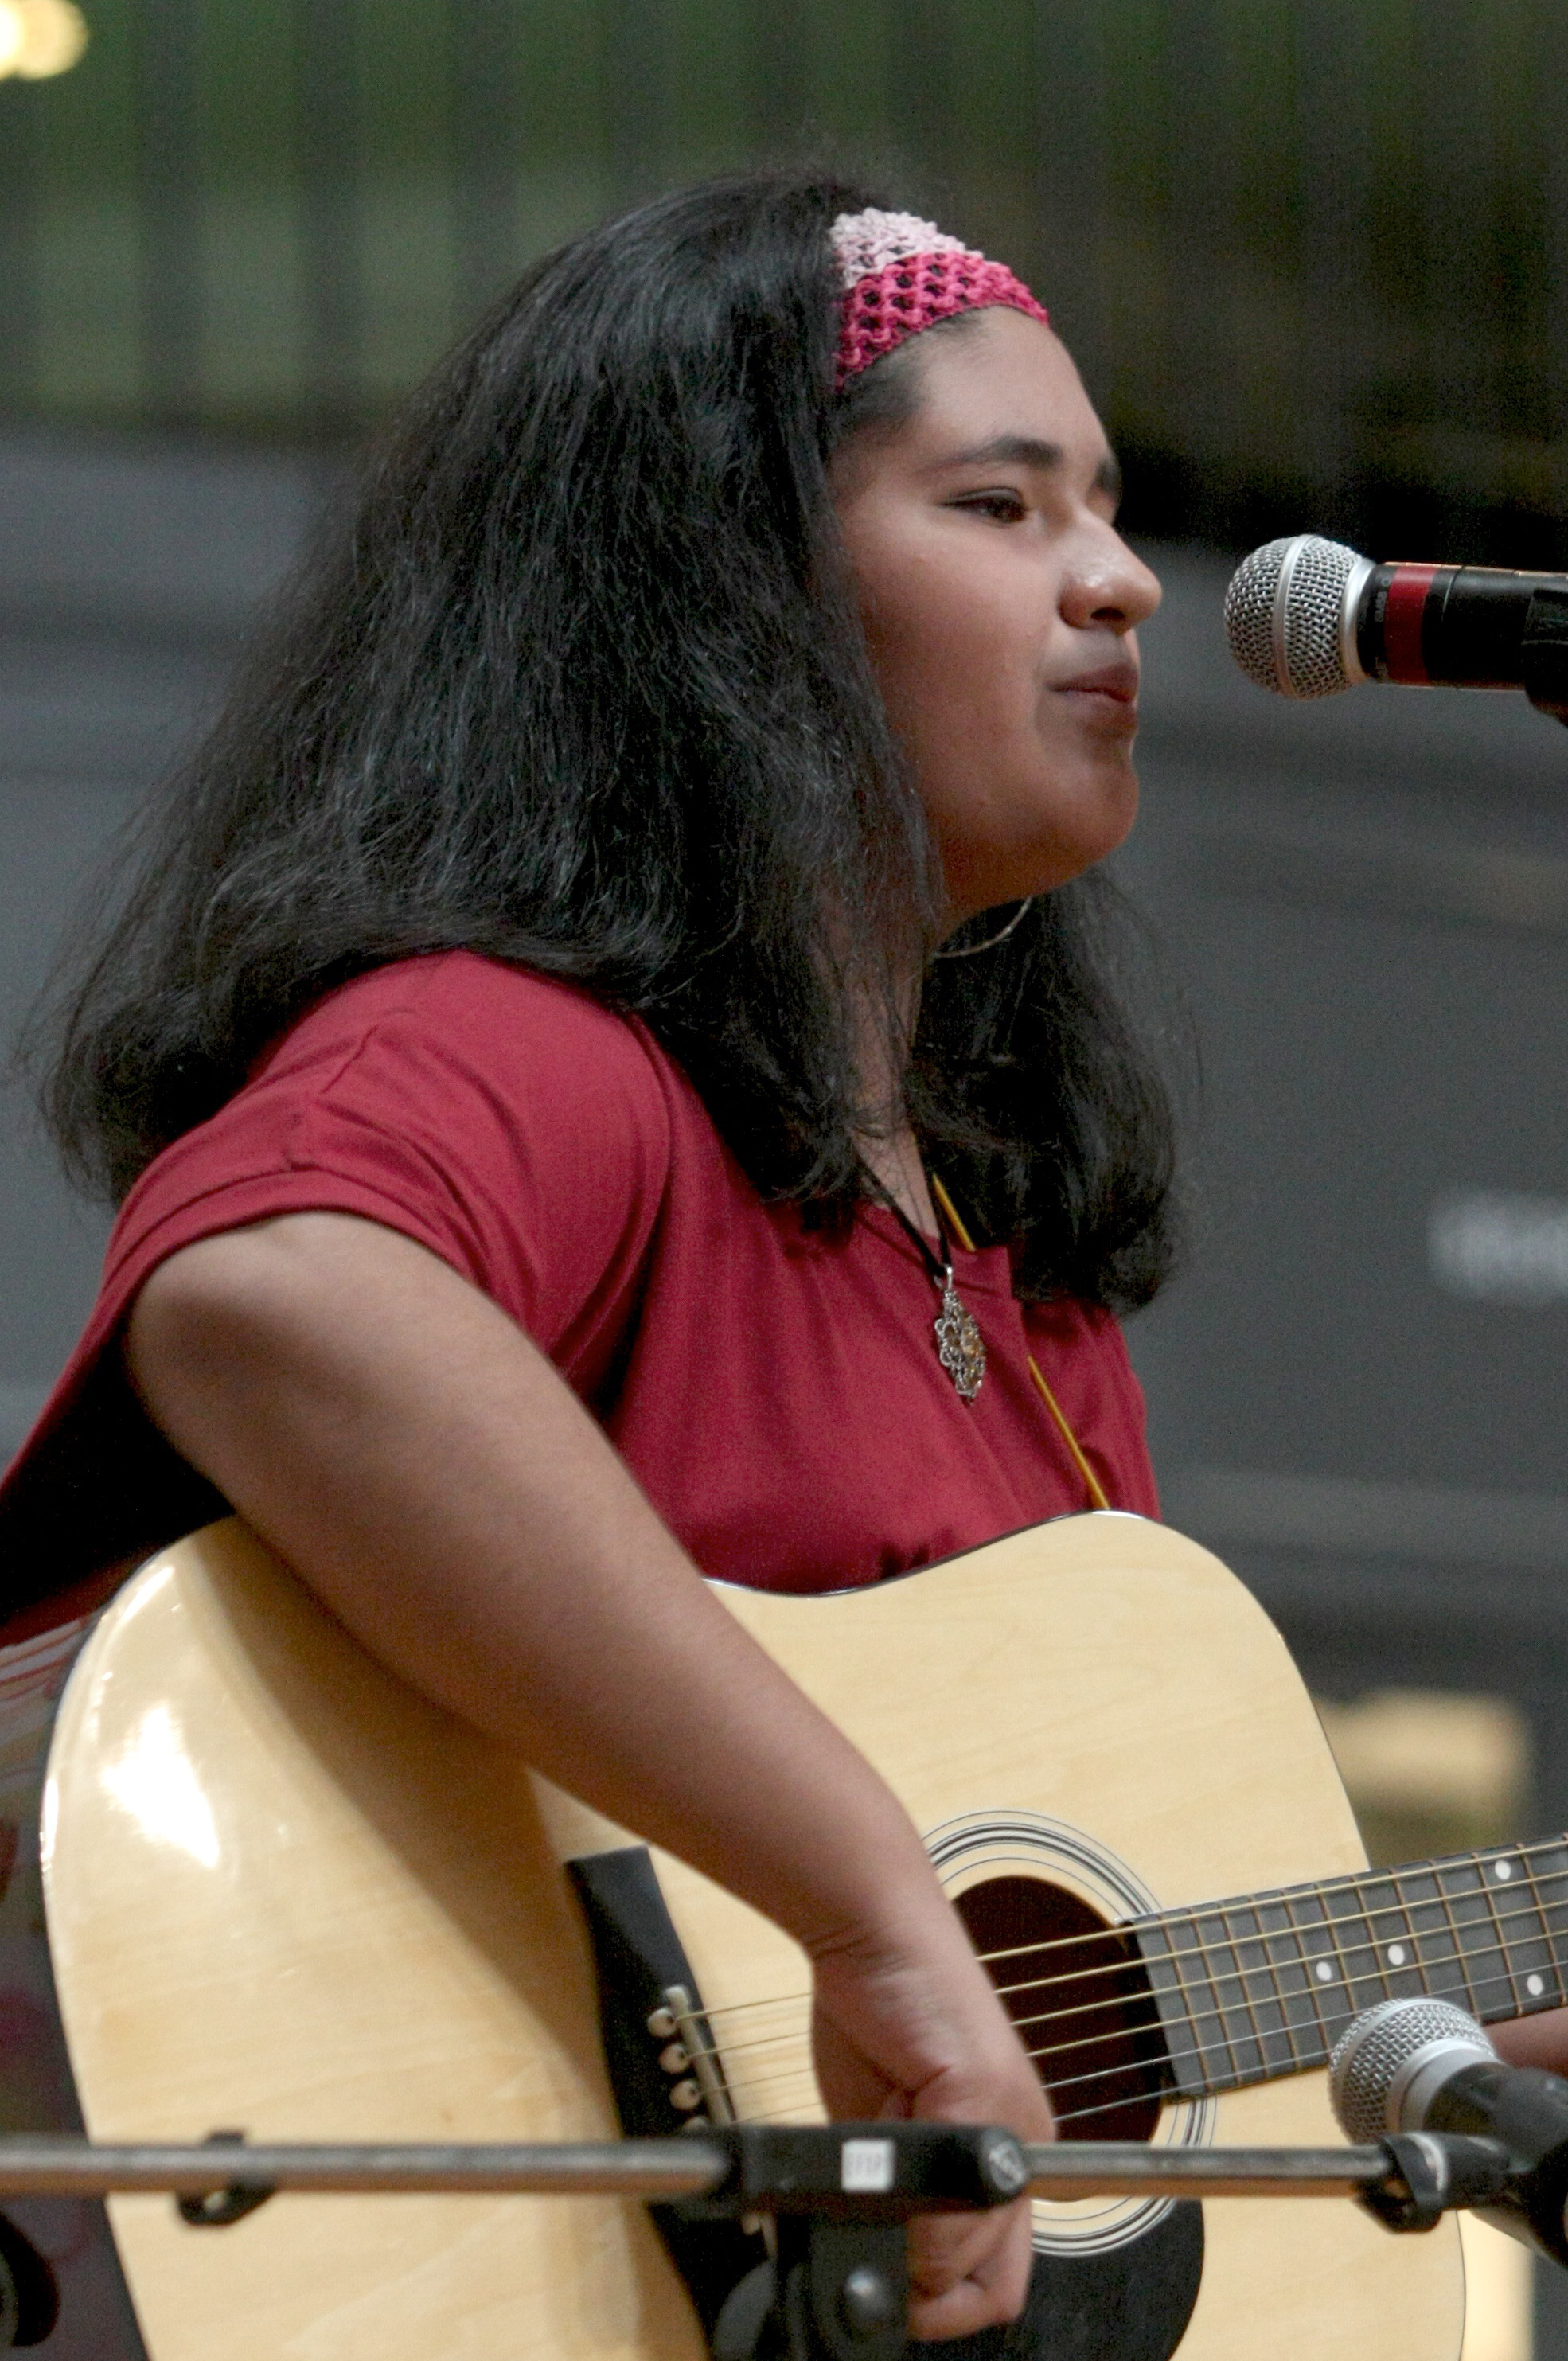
(1503, 1869)
(1395, 1955)
(1325, 1973)
(1535, 1986)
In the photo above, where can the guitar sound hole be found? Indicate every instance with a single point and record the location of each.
(1077, 1991)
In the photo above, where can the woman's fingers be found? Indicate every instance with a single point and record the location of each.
(968, 2271)
(926, 2040)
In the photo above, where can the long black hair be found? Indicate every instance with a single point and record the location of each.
(576, 682)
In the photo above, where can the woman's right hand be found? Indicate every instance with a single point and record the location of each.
(914, 2030)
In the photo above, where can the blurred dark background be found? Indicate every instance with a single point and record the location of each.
(1312, 256)
(1311, 253)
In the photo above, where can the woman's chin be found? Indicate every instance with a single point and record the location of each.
(1081, 816)
(1101, 818)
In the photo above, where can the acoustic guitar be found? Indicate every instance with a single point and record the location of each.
(288, 1894)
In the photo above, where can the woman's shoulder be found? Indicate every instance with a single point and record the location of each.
(1083, 1332)
(453, 1096)
(456, 1030)
(510, 1123)
(487, 1010)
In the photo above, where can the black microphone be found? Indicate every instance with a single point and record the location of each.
(1307, 616)
(1424, 2065)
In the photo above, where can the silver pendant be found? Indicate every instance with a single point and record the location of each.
(960, 1344)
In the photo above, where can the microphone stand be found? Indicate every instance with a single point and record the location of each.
(837, 2195)
(1545, 652)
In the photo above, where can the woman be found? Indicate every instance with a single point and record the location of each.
(644, 851)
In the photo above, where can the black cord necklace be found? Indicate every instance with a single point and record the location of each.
(959, 1345)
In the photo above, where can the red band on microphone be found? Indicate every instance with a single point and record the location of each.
(1403, 609)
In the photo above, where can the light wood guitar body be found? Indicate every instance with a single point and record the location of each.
(286, 1895)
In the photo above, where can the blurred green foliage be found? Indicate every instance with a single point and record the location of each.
(1312, 254)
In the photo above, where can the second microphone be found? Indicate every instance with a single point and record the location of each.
(1425, 2066)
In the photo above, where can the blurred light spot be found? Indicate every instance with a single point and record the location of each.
(1461, 1759)
(1501, 1249)
(39, 37)
(152, 1780)
(1497, 2294)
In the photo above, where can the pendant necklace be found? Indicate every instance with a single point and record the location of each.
(961, 1348)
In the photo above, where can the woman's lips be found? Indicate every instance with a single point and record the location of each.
(1112, 693)
(1119, 681)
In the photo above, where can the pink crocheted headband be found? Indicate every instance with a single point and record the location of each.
(901, 274)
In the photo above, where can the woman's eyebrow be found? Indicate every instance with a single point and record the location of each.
(1028, 451)
(1008, 450)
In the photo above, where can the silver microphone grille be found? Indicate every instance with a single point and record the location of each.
(1285, 614)
(1375, 2060)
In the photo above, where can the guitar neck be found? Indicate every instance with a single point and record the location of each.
(1250, 1990)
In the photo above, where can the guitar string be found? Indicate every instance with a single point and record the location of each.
(1217, 2010)
(1460, 1955)
(797, 2033)
(812, 2112)
(1237, 1974)
(1141, 2066)
(1532, 1879)
(1259, 1935)
(1176, 1956)
(1047, 2016)
(1201, 2051)
(1115, 2107)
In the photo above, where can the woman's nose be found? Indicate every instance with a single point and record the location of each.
(1110, 585)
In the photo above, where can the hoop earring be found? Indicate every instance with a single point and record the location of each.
(969, 950)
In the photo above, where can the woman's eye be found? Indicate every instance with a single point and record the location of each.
(1006, 508)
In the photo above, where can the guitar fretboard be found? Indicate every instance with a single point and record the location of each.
(1251, 1990)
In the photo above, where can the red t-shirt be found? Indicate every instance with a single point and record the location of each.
(775, 1390)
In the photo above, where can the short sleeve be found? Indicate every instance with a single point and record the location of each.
(510, 1124)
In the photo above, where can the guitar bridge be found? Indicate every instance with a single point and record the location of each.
(660, 2054)
(706, 2086)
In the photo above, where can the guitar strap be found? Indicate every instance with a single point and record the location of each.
(1075, 1451)
(61, 2289)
